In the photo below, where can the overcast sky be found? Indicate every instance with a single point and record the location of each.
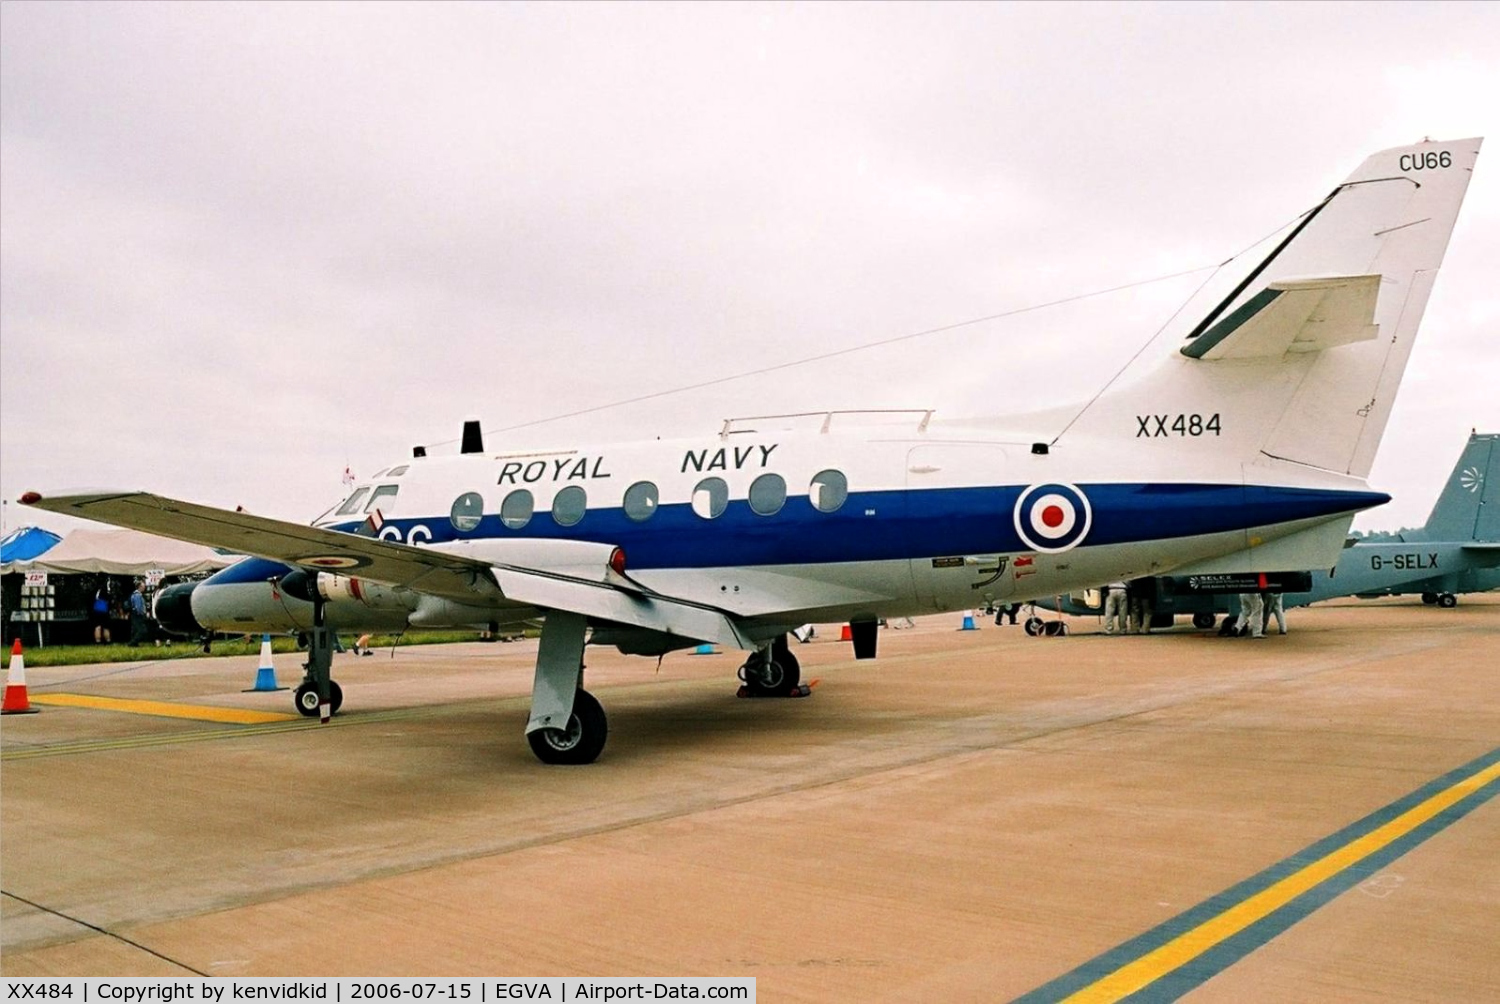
(242, 246)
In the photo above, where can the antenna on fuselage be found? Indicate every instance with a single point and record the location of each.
(473, 441)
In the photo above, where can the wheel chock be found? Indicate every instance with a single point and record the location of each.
(801, 690)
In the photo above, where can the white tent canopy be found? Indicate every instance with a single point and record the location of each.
(124, 552)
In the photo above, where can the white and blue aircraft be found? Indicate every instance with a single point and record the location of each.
(1241, 444)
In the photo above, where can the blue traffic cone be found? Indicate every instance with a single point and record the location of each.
(265, 676)
(968, 624)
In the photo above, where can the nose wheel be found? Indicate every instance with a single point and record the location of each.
(306, 698)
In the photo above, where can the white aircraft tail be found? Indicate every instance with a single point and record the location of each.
(1301, 361)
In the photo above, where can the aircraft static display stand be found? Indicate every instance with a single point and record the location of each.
(1240, 442)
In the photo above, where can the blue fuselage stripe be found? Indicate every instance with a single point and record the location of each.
(889, 525)
(885, 525)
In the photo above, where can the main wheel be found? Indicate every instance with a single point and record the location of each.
(1447, 601)
(1429, 598)
(581, 742)
(1033, 626)
(307, 701)
(774, 677)
(1203, 621)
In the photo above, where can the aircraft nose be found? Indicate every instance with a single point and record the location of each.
(174, 610)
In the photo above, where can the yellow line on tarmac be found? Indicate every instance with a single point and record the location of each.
(1185, 947)
(164, 709)
(173, 738)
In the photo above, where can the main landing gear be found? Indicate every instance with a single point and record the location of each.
(567, 724)
(1445, 600)
(580, 741)
(772, 671)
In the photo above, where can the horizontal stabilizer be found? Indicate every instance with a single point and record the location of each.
(1294, 315)
(1483, 555)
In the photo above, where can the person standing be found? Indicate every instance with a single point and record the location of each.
(1252, 616)
(1141, 607)
(1115, 602)
(99, 614)
(1275, 608)
(140, 623)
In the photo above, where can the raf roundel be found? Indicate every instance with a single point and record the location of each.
(1053, 517)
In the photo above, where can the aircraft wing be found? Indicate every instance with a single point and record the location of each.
(1294, 315)
(309, 547)
(542, 583)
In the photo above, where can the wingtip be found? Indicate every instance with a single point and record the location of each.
(30, 498)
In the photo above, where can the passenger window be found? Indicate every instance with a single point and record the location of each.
(640, 501)
(351, 506)
(467, 510)
(569, 505)
(711, 498)
(515, 511)
(767, 494)
(828, 490)
(383, 492)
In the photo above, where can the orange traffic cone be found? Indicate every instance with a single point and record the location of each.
(16, 702)
(847, 634)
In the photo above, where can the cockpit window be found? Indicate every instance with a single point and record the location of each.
(383, 492)
(396, 472)
(351, 505)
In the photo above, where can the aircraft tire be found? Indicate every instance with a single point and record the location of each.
(1447, 601)
(305, 698)
(783, 673)
(581, 742)
(1203, 621)
(1033, 626)
(1429, 598)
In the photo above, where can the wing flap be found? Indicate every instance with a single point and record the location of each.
(605, 602)
(1294, 315)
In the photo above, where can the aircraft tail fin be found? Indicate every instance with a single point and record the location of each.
(1300, 361)
(1469, 506)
